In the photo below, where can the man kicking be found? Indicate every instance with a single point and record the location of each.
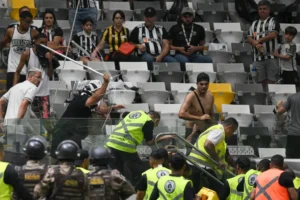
(197, 108)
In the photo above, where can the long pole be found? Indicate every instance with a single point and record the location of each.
(70, 59)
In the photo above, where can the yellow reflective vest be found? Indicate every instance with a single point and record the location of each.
(297, 183)
(152, 177)
(250, 178)
(85, 171)
(220, 150)
(172, 187)
(5, 190)
(233, 183)
(128, 133)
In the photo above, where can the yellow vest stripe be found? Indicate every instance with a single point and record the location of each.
(121, 143)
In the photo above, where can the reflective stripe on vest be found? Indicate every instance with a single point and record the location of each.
(152, 177)
(6, 190)
(262, 190)
(297, 182)
(171, 187)
(220, 150)
(250, 178)
(128, 133)
(233, 183)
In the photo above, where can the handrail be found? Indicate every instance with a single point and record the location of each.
(191, 146)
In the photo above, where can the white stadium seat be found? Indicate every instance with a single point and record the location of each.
(103, 67)
(265, 116)
(280, 92)
(193, 69)
(180, 90)
(134, 71)
(169, 115)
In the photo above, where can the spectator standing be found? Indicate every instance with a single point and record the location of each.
(115, 36)
(23, 8)
(41, 102)
(87, 8)
(87, 39)
(287, 55)
(151, 40)
(20, 38)
(263, 37)
(292, 105)
(187, 39)
(17, 101)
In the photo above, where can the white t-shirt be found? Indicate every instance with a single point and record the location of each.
(215, 136)
(15, 96)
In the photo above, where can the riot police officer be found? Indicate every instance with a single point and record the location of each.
(63, 181)
(104, 183)
(33, 171)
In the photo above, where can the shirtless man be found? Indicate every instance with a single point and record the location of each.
(191, 110)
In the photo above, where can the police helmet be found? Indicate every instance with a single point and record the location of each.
(36, 147)
(67, 150)
(90, 88)
(100, 156)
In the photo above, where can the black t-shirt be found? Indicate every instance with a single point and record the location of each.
(188, 192)
(176, 35)
(142, 184)
(51, 34)
(225, 191)
(11, 178)
(77, 108)
(148, 130)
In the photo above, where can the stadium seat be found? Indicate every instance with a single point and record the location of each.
(121, 96)
(134, 71)
(269, 152)
(251, 94)
(166, 25)
(15, 5)
(140, 6)
(65, 26)
(278, 9)
(153, 93)
(59, 109)
(257, 137)
(233, 73)
(280, 92)
(193, 69)
(297, 26)
(103, 67)
(169, 4)
(180, 90)
(265, 116)
(219, 56)
(69, 72)
(62, 94)
(222, 93)
(169, 115)
(228, 33)
(209, 35)
(60, 8)
(136, 106)
(243, 53)
(111, 6)
(101, 26)
(212, 12)
(132, 24)
(168, 73)
(240, 112)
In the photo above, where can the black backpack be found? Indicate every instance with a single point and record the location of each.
(175, 10)
(247, 9)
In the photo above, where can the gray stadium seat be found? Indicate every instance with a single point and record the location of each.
(193, 69)
(153, 93)
(140, 6)
(209, 34)
(134, 71)
(240, 112)
(212, 12)
(180, 90)
(265, 116)
(250, 94)
(59, 7)
(243, 53)
(280, 92)
(257, 137)
(111, 6)
(136, 106)
(168, 73)
(62, 93)
(103, 67)
(169, 115)
(118, 94)
(166, 25)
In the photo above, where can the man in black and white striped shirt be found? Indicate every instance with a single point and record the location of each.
(263, 37)
(87, 9)
(151, 40)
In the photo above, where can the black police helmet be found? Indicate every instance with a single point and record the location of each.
(35, 149)
(67, 150)
(100, 156)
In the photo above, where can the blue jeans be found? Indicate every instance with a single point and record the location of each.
(149, 58)
(194, 58)
(81, 14)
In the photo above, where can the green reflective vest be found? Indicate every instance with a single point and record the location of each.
(171, 187)
(5, 190)
(220, 150)
(152, 177)
(250, 178)
(297, 183)
(128, 133)
(233, 183)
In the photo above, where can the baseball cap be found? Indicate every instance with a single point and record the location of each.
(187, 10)
(149, 12)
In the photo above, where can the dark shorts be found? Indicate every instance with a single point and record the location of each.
(292, 144)
(290, 77)
(188, 131)
(41, 107)
(10, 79)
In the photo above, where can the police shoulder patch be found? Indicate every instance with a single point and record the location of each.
(170, 186)
(135, 115)
(162, 173)
(96, 181)
(252, 179)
